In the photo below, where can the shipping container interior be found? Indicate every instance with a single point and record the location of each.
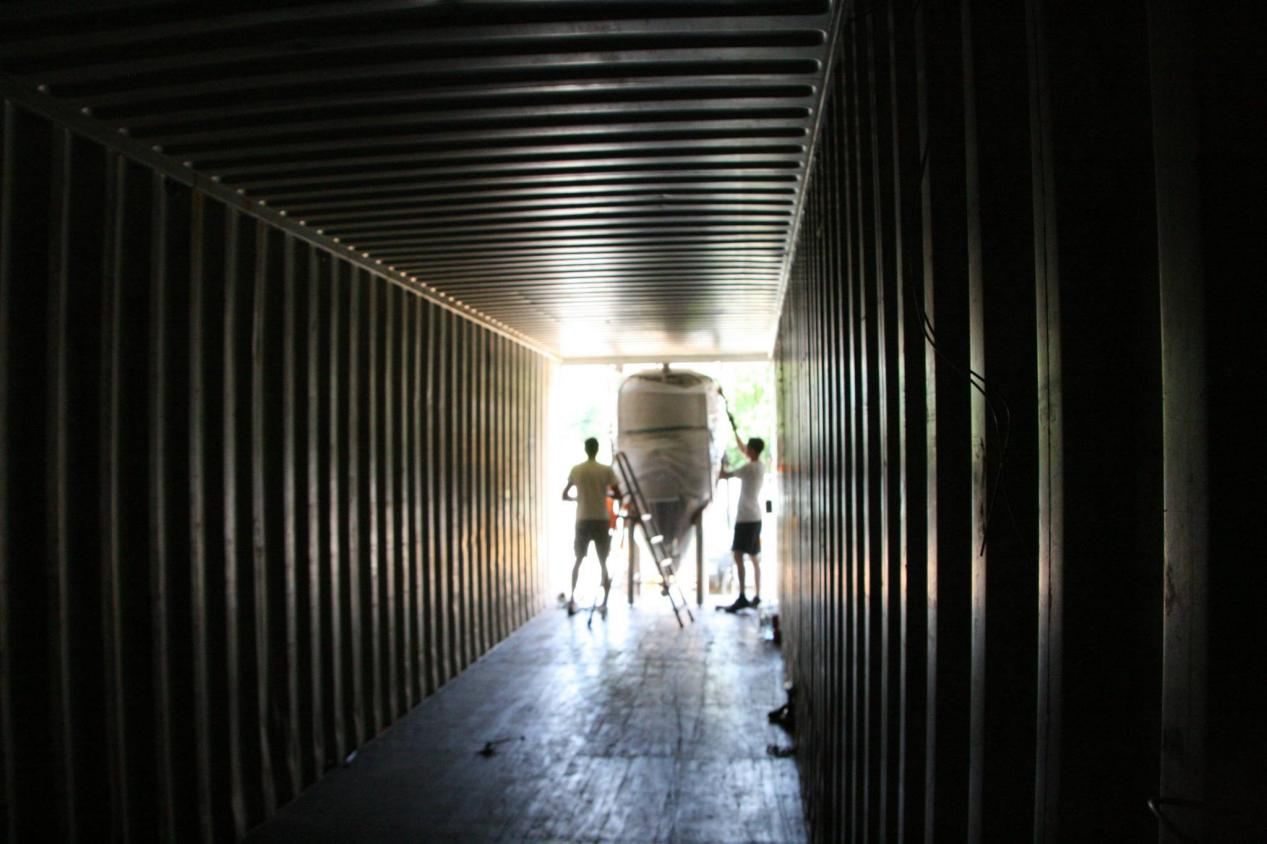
(307, 307)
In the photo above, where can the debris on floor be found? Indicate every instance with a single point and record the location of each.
(490, 747)
(785, 715)
(769, 619)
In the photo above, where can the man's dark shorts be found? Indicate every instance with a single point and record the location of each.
(747, 538)
(595, 530)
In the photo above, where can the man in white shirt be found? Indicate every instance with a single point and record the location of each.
(748, 519)
(592, 480)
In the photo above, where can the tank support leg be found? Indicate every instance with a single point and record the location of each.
(701, 585)
(633, 562)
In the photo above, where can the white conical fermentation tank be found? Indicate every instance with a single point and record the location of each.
(668, 425)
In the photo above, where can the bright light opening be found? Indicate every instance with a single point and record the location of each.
(583, 404)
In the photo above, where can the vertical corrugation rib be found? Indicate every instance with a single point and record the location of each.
(57, 493)
(159, 503)
(198, 517)
(317, 486)
(259, 518)
(7, 748)
(290, 516)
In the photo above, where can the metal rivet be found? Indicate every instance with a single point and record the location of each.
(215, 179)
(279, 213)
(43, 89)
(156, 148)
(188, 164)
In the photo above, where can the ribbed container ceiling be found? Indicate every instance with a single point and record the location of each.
(616, 178)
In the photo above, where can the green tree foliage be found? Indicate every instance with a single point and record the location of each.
(749, 389)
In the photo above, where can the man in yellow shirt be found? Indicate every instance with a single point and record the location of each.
(592, 481)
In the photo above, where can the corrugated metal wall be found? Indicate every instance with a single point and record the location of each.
(257, 501)
(990, 622)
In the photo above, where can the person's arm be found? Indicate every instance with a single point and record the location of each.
(566, 490)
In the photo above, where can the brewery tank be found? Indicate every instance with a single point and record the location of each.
(669, 425)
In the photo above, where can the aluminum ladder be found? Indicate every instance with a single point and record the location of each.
(635, 505)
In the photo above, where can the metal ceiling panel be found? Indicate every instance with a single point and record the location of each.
(608, 178)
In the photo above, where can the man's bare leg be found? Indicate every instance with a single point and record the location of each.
(576, 571)
(607, 583)
(756, 577)
(742, 600)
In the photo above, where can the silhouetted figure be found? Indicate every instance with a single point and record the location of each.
(592, 481)
(748, 519)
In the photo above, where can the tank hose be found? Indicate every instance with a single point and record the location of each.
(729, 415)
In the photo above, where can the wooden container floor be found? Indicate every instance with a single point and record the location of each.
(631, 730)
